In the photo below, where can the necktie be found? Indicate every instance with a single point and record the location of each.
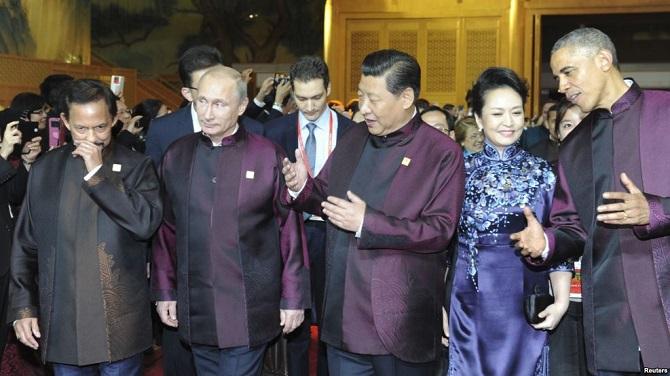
(310, 147)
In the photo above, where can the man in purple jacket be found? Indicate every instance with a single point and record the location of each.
(612, 205)
(229, 262)
(392, 192)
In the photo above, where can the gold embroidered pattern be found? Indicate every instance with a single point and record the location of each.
(25, 313)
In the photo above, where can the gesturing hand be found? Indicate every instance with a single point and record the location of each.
(167, 311)
(531, 240)
(295, 174)
(632, 210)
(345, 214)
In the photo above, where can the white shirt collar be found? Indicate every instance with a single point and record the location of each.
(321, 122)
(194, 118)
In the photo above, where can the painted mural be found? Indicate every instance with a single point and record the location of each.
(149, 35)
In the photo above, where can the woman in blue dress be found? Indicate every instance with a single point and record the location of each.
(488, 332)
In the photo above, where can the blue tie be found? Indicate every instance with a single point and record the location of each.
(310, 147)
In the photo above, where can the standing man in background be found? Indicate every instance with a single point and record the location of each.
(315, 130)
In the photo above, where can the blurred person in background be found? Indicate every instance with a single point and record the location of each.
(437, 117)
(469, 135)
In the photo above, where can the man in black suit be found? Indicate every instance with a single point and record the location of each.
(314, 129)
(193, 64)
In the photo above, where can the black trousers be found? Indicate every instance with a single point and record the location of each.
(233, 361)
(567, 356)
(297, 342)
(343, 363)
(177, 356)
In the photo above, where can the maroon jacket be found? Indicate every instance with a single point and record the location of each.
(408, 236)
(265, 241)
(646, 258)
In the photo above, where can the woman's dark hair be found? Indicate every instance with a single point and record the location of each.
(403, 70)
(561, 109)
(25, 103)
(495, 78)
(352, 106)
(148, 109)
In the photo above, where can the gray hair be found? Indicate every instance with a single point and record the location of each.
(219, 72)
(587, 38)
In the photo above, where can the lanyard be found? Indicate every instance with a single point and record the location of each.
(301, 143)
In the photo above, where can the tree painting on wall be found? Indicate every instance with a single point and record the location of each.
(245, 31)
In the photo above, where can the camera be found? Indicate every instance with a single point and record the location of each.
(279, 78)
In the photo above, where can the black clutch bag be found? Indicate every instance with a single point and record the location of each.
(535, 303)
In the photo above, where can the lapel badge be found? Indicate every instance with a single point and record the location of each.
(116, 167)
(250, 175)
(406, 161)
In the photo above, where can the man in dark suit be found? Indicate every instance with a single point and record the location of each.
(316, 129)
(392, 193)
(164, 130)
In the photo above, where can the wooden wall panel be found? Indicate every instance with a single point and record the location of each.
(481, 47)
(439, 45)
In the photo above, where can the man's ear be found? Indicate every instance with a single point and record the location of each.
(407, 97)
(604, 60)
(328, 90)
(186, 93)
(243, 106)
(65, 122)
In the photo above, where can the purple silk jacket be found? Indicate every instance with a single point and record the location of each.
(270, 241)
(409, 235)
(574, 209)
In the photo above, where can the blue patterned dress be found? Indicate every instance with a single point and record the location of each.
(488, 333)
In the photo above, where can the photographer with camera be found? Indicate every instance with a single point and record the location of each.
(270, 100)
(13, 180)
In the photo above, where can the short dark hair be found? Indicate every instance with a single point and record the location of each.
(403, 70)
(447, 115)
(148, 109)
(309, 68)
(51, 86)
(87, 91)
(197, 58)
(495, 78)
(27, 102)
